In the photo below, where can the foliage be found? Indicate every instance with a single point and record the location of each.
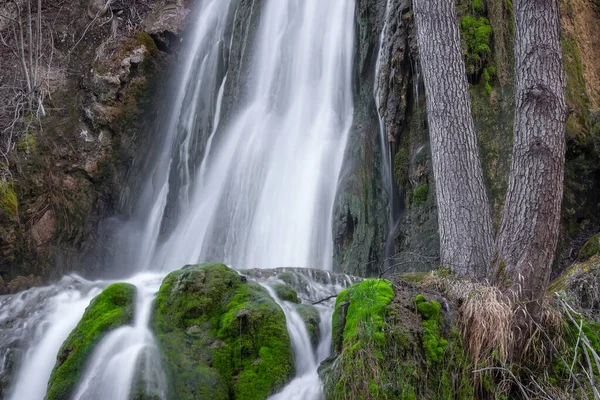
(433, 343)
(420, 194)
(220, 335)
(476, 33)
(590, 248)
(8, 198)
(109, 310)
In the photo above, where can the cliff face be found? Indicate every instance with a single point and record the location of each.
(362, 217)
(68, 167)
(76, 164)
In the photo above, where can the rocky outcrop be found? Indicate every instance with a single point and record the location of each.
(221, 335)
(73, 168)
(112, 308)
(404, 340)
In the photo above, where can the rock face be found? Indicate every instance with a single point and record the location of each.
(112, 308)
(77, 166)
(362, 211)
(222, 336)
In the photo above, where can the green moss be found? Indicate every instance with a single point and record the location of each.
(420, 194)
(27, 143)
(367, 310)
(221, 335)
(8, 198)
(590, 248)
(286, 293)
(143, 38)
(573, 360)
(433, 343)
(476, 33)
(312, 319)
(401, 167)
(478, 5)
(393, 366)
(112, 308)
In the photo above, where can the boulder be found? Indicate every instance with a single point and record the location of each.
(222, 336)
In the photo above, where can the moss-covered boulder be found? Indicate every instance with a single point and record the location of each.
(285, 292)
(312, 319)
(590, 248)
(222, 336)
(392, 342)
(112, 308)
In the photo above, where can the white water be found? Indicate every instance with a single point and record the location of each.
(64, 312)
(123, 351)
(384, 140)
(307, 385)
(256, 192)
(264, 194)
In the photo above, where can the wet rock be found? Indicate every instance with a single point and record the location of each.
(44, 230)
(220, 334)
(109, 310)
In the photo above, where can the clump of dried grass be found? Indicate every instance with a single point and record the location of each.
(491, 324)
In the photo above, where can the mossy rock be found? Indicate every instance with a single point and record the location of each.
(112, 308)
(590, 248)
(286, 293)
(312, 319)
(420, 194)
(384, 347)
(221, 335)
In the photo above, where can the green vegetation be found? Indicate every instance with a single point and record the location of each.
(112, 308)
(590, 248)
(286, 293)
(476, 33)
(143, 38)
(27, 143)
(221, 335)
(420, 194)
(433, 343)
(384, 337)
(8, 198)
(402, 167)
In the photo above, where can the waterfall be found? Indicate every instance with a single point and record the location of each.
(311, 287)
(386, 149)
(264, 194)
(255, 188)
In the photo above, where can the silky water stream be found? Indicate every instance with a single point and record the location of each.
(255, 191)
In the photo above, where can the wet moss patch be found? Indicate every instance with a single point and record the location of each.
(221, 335)
(112, 308)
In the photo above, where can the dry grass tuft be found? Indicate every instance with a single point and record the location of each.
(492, 323)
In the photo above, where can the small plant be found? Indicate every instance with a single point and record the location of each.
(476, 33)
(420, 194)
(8, 198)
(433, 343)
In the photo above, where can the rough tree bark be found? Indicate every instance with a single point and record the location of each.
(530, 221)
(466, 236)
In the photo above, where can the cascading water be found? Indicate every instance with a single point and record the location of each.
(386, 149)
(312, 286)
(256, 191)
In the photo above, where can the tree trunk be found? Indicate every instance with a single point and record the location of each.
(530, 221)
(466, 236)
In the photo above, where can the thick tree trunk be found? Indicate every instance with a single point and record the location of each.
(466, 236)
(530, 221)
